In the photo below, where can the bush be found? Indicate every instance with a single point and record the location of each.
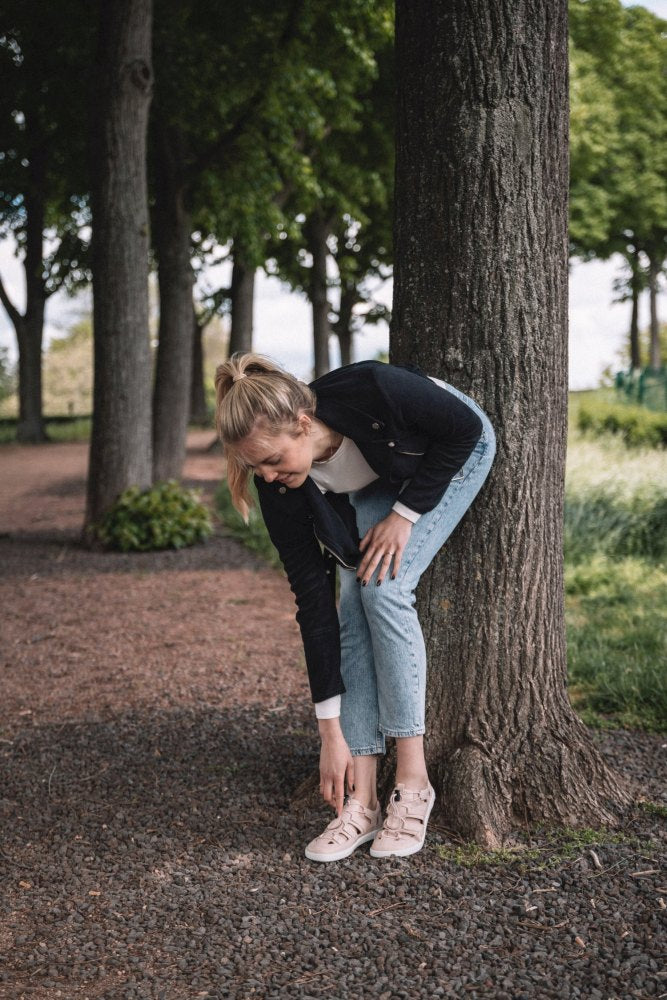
(634, 424)
(166, 516)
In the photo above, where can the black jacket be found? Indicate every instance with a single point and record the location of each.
(406, 427)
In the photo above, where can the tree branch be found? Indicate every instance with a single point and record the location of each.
(14, 315)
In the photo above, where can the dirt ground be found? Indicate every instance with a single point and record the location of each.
(94, 634)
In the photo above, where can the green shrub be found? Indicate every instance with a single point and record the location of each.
(635, 425)
(166, 516)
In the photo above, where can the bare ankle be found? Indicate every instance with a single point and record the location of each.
(412, 781)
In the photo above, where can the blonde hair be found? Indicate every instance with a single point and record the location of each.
(250, 388)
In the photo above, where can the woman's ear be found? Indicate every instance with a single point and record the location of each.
(305, 423)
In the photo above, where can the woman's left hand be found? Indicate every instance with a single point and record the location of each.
(382, 543)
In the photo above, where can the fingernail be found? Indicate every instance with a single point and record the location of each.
(364, 583)
(358, 579)
(393, 577)
(379, 582)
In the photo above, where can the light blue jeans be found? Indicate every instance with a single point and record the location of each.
(383, 656)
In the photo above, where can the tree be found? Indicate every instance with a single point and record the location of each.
(43, 186)
(619, 148)
(120, 447)
(481, 299)
(347, 140)
(214, 80)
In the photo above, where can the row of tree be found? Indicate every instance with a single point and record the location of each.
(480, 297)
(265, 133)
(269, 143)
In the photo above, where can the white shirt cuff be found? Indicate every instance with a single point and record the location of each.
(404, 511)
(328, 709)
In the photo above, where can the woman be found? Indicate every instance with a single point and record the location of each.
(368, 469)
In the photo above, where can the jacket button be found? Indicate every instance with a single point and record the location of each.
(376, 427)
(392, 444)
(282, 489)
(328, 572)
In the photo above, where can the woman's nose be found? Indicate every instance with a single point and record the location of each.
(268, 475)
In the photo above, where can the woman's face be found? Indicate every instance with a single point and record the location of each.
(279, 456)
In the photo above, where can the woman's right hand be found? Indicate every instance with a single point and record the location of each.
(336, 763)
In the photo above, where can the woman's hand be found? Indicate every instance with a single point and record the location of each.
(336, 762)
(382, 542)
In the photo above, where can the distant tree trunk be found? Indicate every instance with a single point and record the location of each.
(654, 349)
(317, 230)
(480, 298)
(198, 409)
(348, 298)
(243, 297)
(120, 448)
(635, 286)
(173, 368)
(29, 326)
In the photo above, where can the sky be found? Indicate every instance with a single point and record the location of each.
(597, 325)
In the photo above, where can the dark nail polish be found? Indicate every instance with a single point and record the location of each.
(358, 579)
(379, 582)
(363, 584)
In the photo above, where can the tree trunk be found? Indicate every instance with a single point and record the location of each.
(317, 231)
(29, 327)
(635, 286)
(654, 348)
(243, 297)
(173, 369)
(480, 298)
(348, 298)
(198, 409)
(120, 448)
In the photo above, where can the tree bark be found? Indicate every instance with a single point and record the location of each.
(243, 297)
(348, 299)
(480, 298)
(173, 369)
(654, 347)
(635, 286)
(317, 231)
(120, 448)
(29, 326)
(198, 409)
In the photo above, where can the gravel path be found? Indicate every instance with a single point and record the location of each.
(152, 731)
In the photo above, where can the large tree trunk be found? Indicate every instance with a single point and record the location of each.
(198, 410)
(481, 300)
(635, 287)
(317, 230)
(173, 369)
(120, 448)
(654, 348)
(243, 298)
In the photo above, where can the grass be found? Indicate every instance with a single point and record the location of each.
(616, 582)
(77, 429)
(563, 843)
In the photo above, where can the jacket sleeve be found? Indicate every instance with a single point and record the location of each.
(451, 427)
(310, 578)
